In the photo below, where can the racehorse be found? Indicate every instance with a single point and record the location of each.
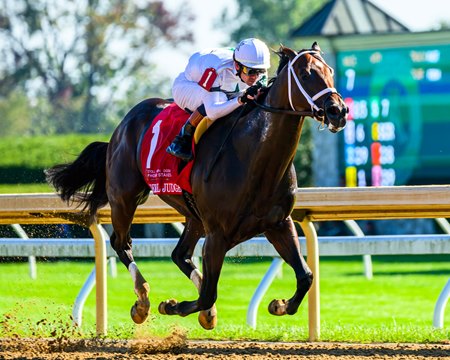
(246, 190)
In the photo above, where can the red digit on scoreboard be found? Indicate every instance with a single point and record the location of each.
(375, 150)
(349, 103)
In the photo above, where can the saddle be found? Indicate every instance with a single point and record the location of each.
(205, 123)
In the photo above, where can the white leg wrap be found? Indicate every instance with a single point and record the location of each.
(133, 269)
(196, 277)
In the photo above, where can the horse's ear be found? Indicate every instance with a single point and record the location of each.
(277, 52)
(280, 50)
(285, 51)
(316, 47)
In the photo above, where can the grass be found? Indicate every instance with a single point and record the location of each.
(25, 188)
(395, 306)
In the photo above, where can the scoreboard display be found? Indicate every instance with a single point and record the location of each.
(398, 131)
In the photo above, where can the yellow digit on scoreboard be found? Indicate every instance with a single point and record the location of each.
(350, 176)
(375, 131)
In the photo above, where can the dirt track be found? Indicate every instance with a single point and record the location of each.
(176, 347)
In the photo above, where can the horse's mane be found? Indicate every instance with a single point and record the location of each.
(284, 59)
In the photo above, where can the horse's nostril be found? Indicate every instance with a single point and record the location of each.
(333, 110)
(319, 113)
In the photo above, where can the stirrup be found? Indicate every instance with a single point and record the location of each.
(178, 151)
(184, 157)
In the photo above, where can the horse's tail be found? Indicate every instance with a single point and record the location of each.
(84, 180)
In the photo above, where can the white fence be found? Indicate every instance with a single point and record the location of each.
(258, 247)
(312, 204)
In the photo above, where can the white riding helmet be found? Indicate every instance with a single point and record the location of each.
(252, 53)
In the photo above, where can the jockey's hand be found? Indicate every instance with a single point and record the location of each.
(250, 93)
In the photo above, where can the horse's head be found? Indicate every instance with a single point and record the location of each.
(310, 85)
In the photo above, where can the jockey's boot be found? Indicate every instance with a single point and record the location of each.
(181, 146)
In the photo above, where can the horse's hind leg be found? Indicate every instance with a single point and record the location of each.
(182, 257)
(285, 240)
(214, 252)
(126, 190)
(121, 242)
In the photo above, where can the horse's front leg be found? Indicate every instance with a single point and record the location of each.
(285, 240)
(122, 215)
(214, 251)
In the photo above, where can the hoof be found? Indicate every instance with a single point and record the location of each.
(278, 307)
(208, 318)
(139, 311)
(162, 306)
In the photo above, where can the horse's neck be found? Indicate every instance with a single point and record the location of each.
(284, 130)
(276, 150)
(279, 134)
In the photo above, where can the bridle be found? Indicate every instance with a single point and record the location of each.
(315, 112)
(292, 74)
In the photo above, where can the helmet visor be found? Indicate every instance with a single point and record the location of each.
(250, 71)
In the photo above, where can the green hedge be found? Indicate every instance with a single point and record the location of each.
(23, 159)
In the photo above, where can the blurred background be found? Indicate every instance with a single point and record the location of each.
(70, 71)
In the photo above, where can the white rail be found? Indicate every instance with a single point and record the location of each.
(162, 247)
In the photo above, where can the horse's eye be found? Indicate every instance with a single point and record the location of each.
(304, 74)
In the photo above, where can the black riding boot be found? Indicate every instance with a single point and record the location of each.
(181, 146)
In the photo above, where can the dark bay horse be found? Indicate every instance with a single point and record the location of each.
(250, 190)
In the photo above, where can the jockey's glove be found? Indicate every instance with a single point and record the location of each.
(250, 93)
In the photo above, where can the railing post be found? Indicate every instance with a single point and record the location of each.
(77, 310)
(100, 278)
(367, 259)
(262, 288)
(439, 308)
(31, 259)
(312, 250)
(441, 303)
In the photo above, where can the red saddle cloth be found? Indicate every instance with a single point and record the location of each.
(160, 168)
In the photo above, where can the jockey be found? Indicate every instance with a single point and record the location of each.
(216, 82)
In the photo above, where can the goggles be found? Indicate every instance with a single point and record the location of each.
(249, 71)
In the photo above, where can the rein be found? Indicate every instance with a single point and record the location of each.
(312, 114)
(219, 152)
(283, 111)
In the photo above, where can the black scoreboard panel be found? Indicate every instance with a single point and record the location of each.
(399, 127)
